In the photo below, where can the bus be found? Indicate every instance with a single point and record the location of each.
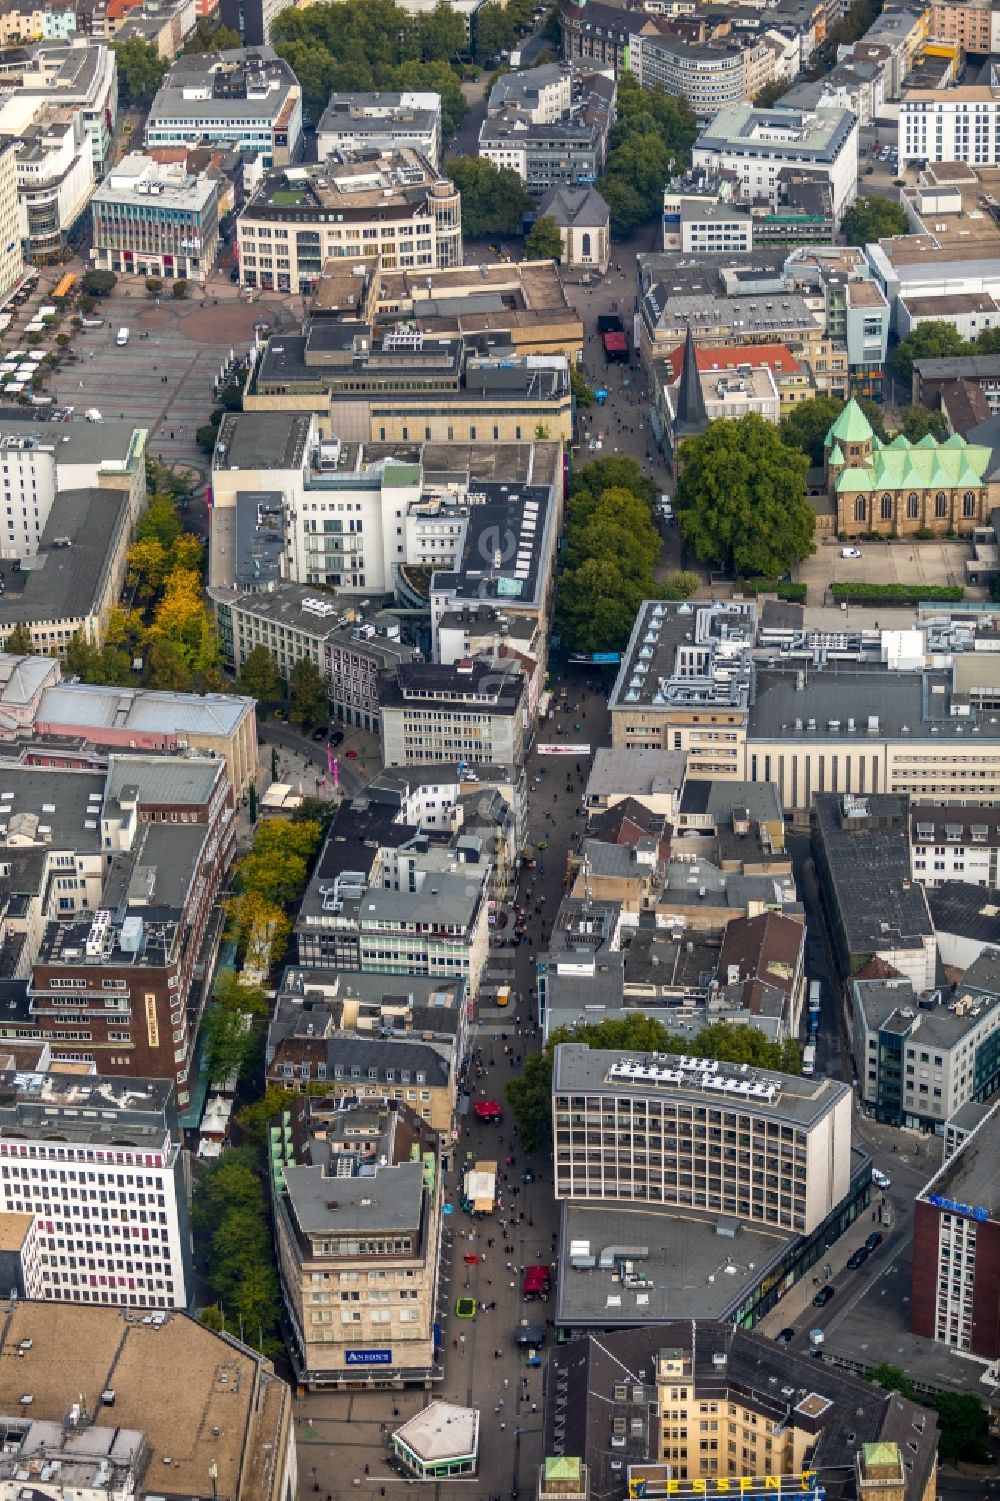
(809, 1059)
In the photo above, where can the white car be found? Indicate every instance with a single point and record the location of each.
(880, 1179)
(850, 552)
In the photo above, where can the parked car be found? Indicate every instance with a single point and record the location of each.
(336, 737)
(320, 732)
(784, 1336)
(850, 552)
(880, 1179)
(857, 1258)
(874, 1240)
(824, 1295)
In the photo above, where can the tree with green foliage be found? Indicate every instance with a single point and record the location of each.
(650, 141)
(543, 241)
(236, 1249)
(372, 44)
(140, 69)
(963, 1426)
(229, 1045)
(256, 1118)
(209, 38)
(154, 285)
(160, 522)
(807, 425)
(315, 810)
(18, 642)
(611, 546)
(741, 500)
(613, 472)
(494, 199)
(680, 584)
(259, 675)
(871, 219)
(494, 31)
(206, 435)
(180, 289)
(529, 1096)
(98, 283)
(933, 340)
(917, 421)
(583, 392)
(166, 668)
(307, 690)
(891, 1378)
(769, 95)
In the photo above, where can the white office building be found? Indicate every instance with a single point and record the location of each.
(381, 122)
(758, 144)
(98, 1162)
(951, 125)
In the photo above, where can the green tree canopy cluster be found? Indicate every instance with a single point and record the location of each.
(651, 140)
(741, 499)
(963, 1423)
(497, 25)
(875, 218)
(171, 626)
(494, 199)
(230, 1219)
(259, 675)
(938, 340)
(611, 545)
(98, 283)
(140, 70)
(808, 423)
(530, 1095)
(228, 1037)
(269, 878)
(209, 38)
(543, 242)
(373, 44)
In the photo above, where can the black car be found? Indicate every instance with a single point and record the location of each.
(858, 1258)
(823, 1297)
(320, 732)
(874, 1240)
(784, 1336)
(337, 737)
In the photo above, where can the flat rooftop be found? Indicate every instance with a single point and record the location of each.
(972, 1175)
(605, 1071)
(222, 1406)
(262, 440)
(62, 581)
(696, 1267)
(389, 1199)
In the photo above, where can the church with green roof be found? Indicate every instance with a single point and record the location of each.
(899, 488)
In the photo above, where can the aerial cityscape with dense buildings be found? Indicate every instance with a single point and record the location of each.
(500, 750)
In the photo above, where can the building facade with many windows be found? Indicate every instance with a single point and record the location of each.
(773, 1149)
(155, 220)
(98, 1163)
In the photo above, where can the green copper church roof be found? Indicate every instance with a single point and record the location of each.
(927, 465)
(836, 455)
(852, 426)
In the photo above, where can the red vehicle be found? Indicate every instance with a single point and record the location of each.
(537, 1282)
(489, 1111)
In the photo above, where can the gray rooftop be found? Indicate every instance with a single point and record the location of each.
(262, 440)
(927, 1020)
(972, 1174)
(113, 442)
(685, 1252)
(64, 582)
(844, 705)
(128, 1112)
(201, 85)
(91, 706)
(717, 799)
(45, 803)
(164, 779)
(864, 852)
(636, 772)
(390, 1199)
(800, 1101)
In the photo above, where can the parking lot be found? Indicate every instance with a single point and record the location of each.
(885, 563)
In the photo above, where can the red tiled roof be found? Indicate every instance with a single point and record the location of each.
(777, 357)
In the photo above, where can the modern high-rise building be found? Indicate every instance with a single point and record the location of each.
(97, 1164)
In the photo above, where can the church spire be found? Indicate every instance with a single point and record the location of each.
(691, 418)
